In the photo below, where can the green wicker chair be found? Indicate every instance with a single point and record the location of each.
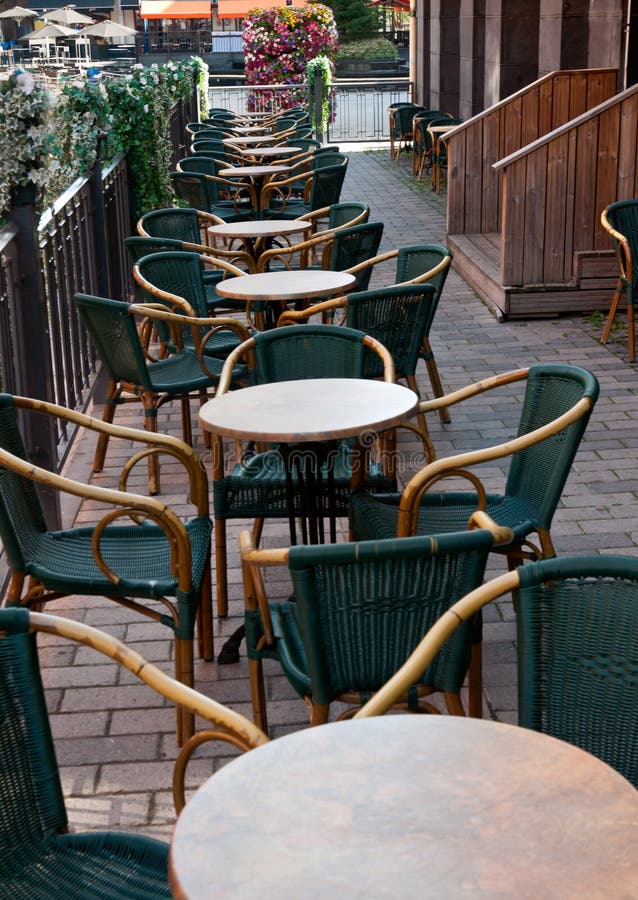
(39, 860)
(577, 650)
(359, 610)
(439, 152)
(255, 488)
(178, 278)
(556, 409)
(416, 264)
(399, 317)
(422, 140)
(202, 192)
(401, 129)
(112, 326)
(620, 220)
(323, 189)
(159, 558)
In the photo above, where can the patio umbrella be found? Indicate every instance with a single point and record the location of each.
(18, 13)
(51, 31)
(67, 16)
(107, 29)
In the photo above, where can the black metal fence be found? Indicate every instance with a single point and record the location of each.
(76, 246)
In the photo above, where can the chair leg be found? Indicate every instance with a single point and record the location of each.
(435, 380)
(631, 332)
(150, 424)
(475, 681)
(205, 637)
(221, 579)
(184, 672)
(318, 712)
(454, 704)
(613, 309)
(258, 694)
(187, 428)
(112, 395)
(428, 447)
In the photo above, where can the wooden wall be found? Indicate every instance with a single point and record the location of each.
(554, 189)
(474, 186)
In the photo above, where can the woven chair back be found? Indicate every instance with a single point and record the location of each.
(21, 517)
(31, 801)
(538, 474)
(577, 624)
(113, 330)
(398, 317)
(362, 608)
(355, 245)
(180, 224)
(308, 351)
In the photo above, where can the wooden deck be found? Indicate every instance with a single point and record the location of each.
(477, 258)
(527, 182)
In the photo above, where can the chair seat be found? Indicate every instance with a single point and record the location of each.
(257, 487)
(375, 517)
(139, 554)
(99, 866)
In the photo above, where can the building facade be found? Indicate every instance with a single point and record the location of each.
(469, 54)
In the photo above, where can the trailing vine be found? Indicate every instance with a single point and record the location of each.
(26, 137)
(50, 144)
(320, 68)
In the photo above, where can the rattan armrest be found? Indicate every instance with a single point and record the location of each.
(426, 650)
(296, 316)
(231, 726)
(252, 561)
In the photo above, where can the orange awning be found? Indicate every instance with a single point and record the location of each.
(239, 9)
(175, 9)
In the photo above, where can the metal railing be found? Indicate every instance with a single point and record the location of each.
(360, 106)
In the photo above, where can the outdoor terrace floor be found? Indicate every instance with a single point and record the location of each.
(115, 738)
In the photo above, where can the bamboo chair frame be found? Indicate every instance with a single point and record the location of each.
(625, 282)
(255, 560)
(212, 254)
(230, 726)
(150, 314)
(458, 466)
(135, 506)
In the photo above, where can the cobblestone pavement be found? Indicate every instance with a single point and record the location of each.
(115, 738)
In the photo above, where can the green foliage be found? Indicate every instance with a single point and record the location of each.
(375, 48)
(200, 70)
(26, 137)
(321, 68)
(355, 19)
(50, 146)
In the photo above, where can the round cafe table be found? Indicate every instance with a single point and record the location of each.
(267, 152)
(409, 806)
(257, 235)
(259, 174)
(285, 286)
(251, 139)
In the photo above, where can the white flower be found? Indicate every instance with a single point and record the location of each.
(25, 82)
(145, 107)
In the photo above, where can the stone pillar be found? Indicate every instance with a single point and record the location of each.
(435, 54)
(493, 21)
(605, 34)
(550, 36)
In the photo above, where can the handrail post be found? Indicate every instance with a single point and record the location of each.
(35, 378)
(99, 222)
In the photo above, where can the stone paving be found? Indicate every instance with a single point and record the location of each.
(115, 738)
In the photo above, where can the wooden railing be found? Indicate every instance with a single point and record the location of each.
(555, 188)
(474, 185)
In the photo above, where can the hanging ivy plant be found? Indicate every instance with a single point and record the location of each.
(27, 139)
(321, 68)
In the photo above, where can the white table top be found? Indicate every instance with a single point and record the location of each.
(241, 171)
(256, 228)
(268, 151)
(252, 139)
(313, 409)
(298, 284)
(409, 807)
